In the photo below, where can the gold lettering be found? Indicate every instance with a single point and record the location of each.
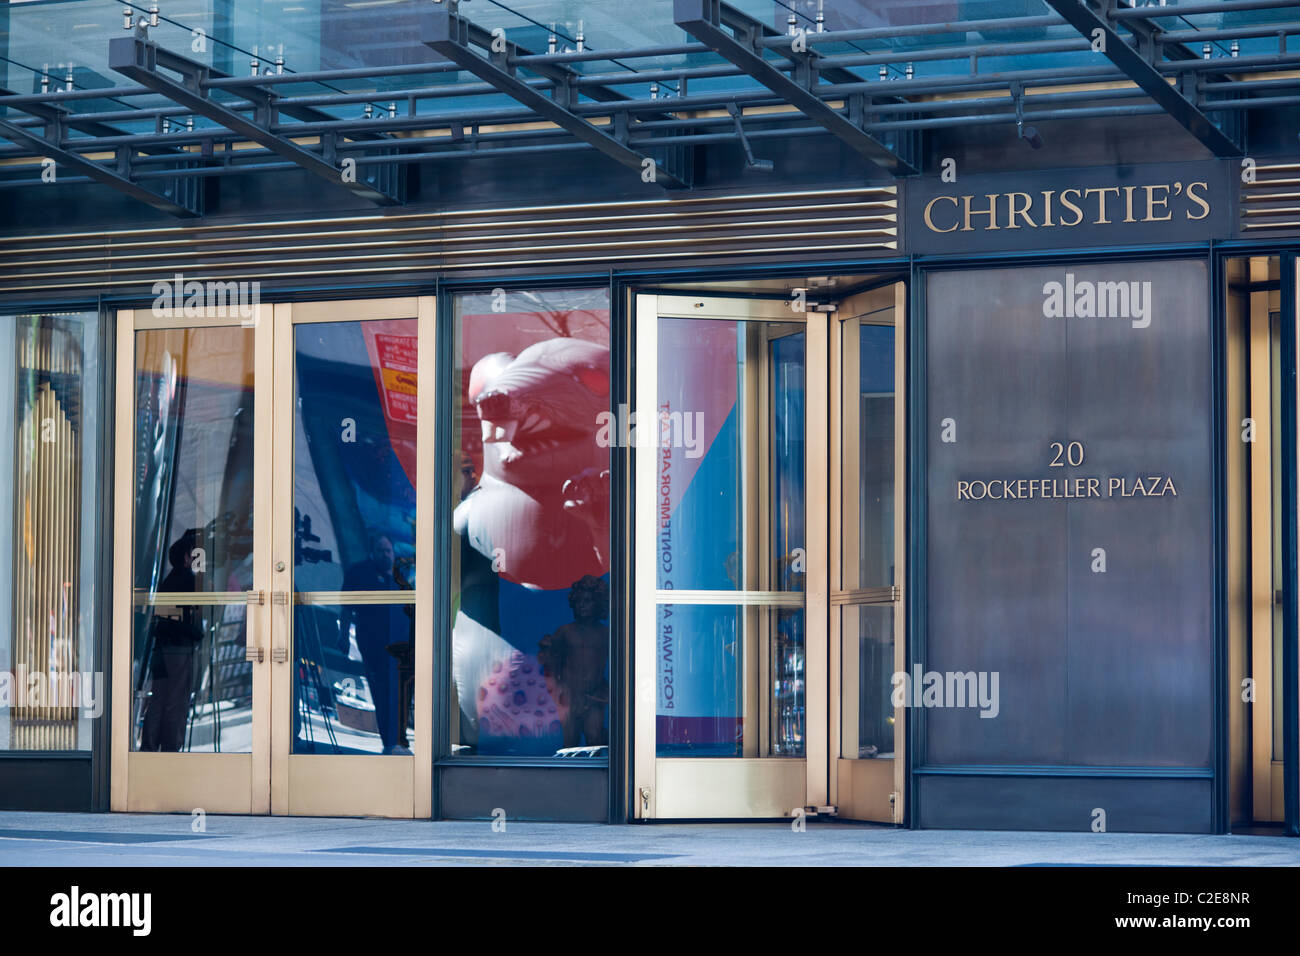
(1014, 210)
(1152, 202)
(963, 490)
(1101, 219)
(991, 212)
(1078, 213)
(1199, 200)
(1047, 206)
(1128, 203)
(1113, 484)
(929, 222)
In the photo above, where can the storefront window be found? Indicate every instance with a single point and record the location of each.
(50, 688)
(530, 550)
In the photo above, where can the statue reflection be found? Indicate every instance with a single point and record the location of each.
(574, 660)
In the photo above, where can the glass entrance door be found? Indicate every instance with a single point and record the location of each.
(867, 534)
(768, 536)
(271, 633)
(1256, 312)
(191, 689)
(730, 648)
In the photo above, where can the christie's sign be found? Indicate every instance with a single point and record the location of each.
(1183, 202)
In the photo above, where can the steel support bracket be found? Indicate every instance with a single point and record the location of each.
(762, 165)
(453, 37)
(140, 60)
(186, 204)
(182, 196)
(1091, 25)
(708, 20)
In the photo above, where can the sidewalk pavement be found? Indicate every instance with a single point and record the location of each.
(104, 839)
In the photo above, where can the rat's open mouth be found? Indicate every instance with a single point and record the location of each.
(532, 433)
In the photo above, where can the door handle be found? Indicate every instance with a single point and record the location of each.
(253, 654)
(279, 651)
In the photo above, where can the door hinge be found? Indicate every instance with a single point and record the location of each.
(253, 655)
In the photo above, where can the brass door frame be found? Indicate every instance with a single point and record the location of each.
(1254, 545)
(864, 788)
(271, 778)
(1264, 558)
(187, 782)
(751, 785)
(353, 784)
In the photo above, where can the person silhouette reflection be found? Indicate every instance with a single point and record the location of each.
(376, 627)
(176, 637)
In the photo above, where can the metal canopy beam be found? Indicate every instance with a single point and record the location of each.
(738, 21)
(95, 171)
(705, 20)
(451, 36)
(1143, 72)
(50, 112)
(140, 59)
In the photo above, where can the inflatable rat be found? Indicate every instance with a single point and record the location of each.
(541, 510)
(540, 515)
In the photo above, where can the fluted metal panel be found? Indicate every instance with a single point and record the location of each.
(1270, 206)
(832, 223)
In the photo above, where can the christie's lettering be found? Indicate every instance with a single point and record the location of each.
(1051, 208)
